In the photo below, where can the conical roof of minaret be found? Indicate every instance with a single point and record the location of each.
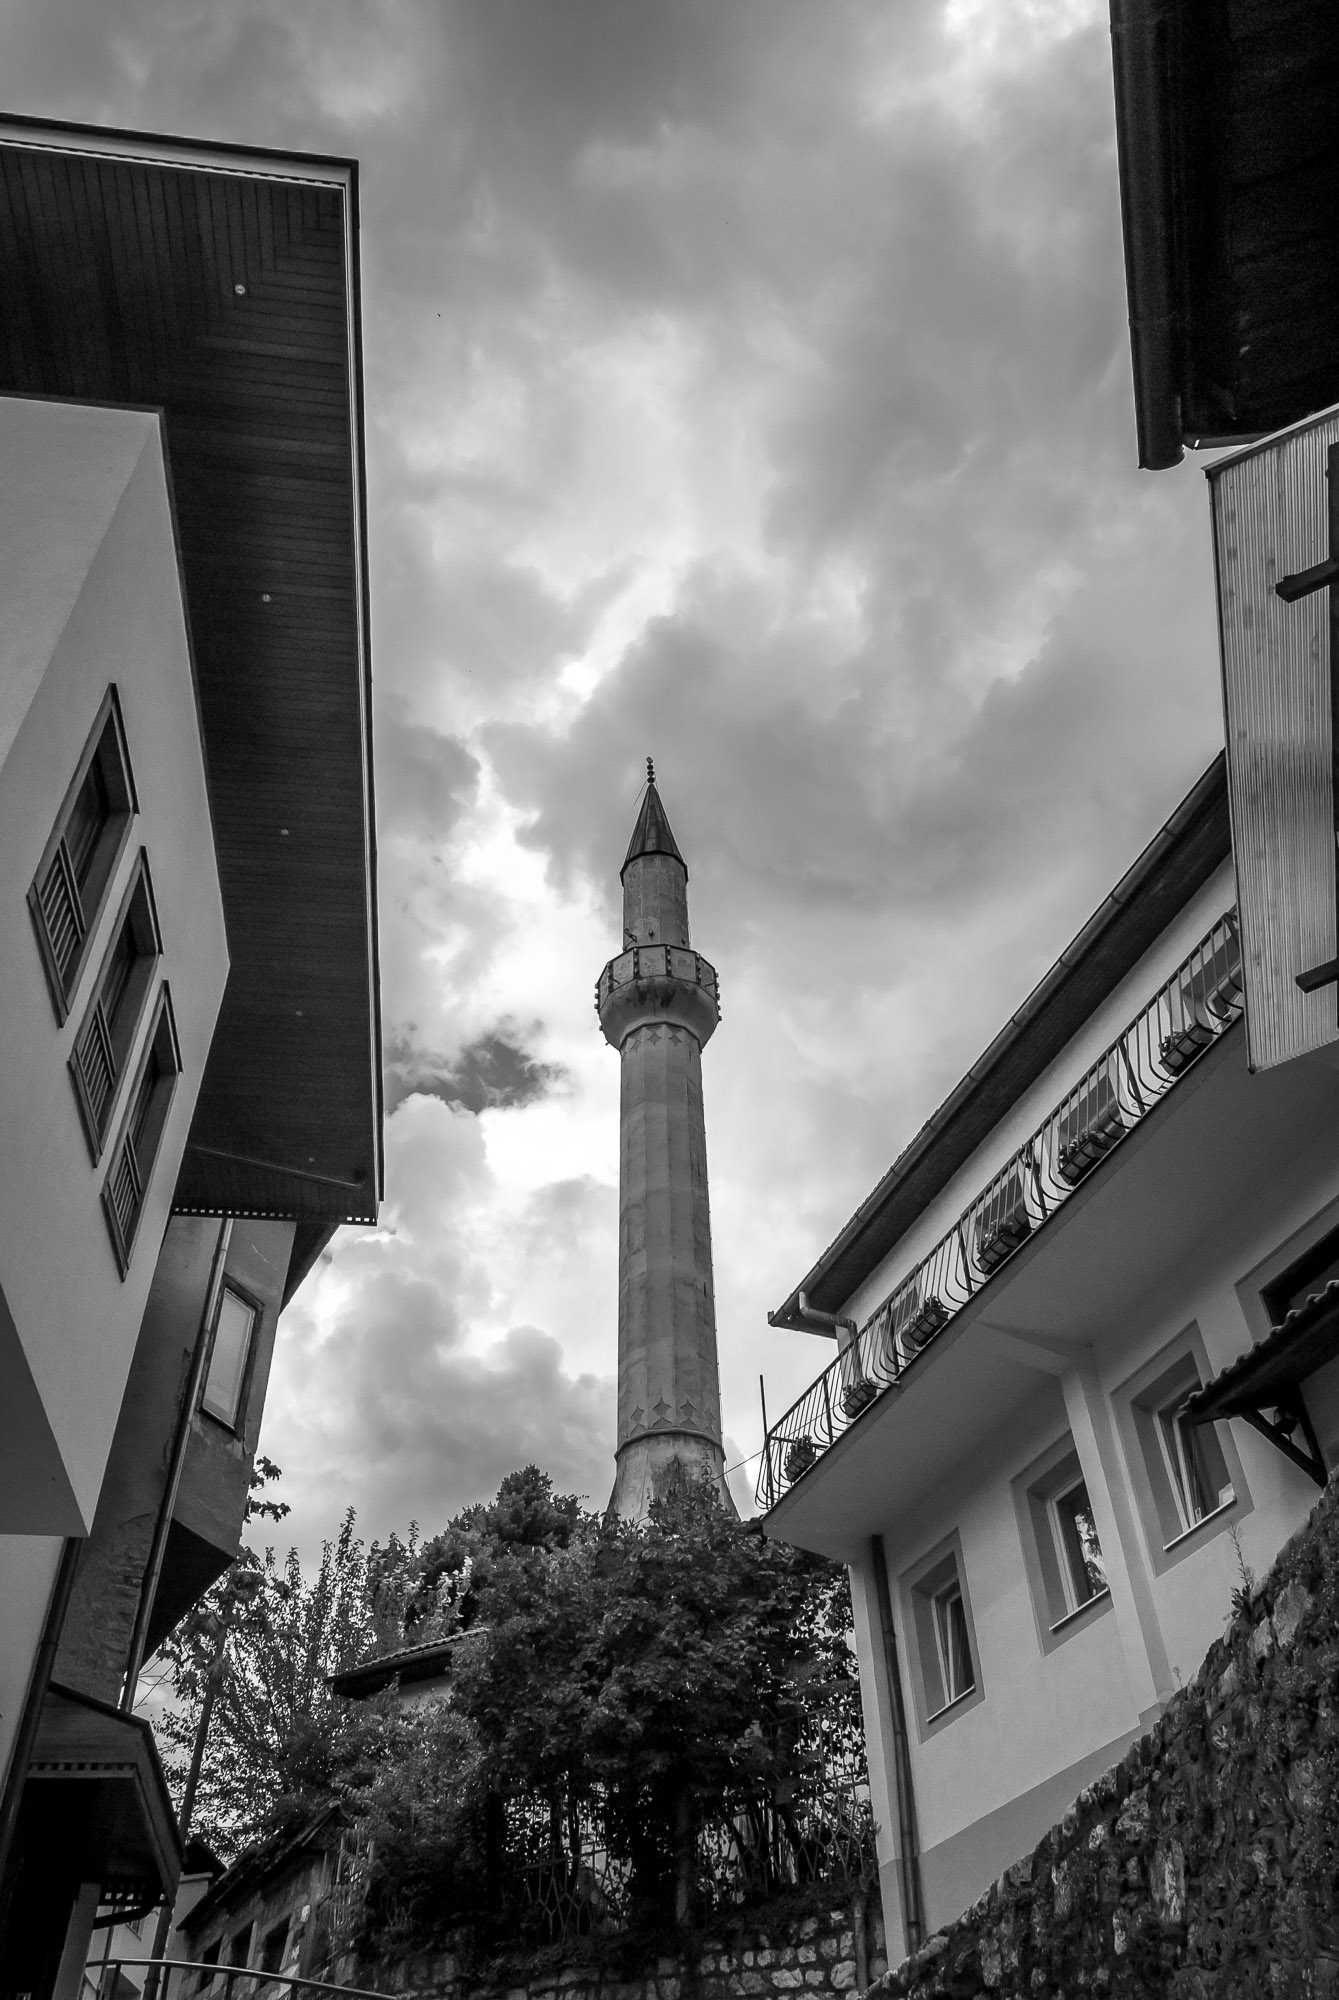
(652, 833)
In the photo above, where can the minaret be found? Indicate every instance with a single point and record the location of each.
(657, 1006)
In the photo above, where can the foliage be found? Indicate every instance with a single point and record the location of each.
(279, 1740)
(630, 1686)
(642, 1692)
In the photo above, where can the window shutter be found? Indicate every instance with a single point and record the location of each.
(97, 1066)
(124, 1190)
(62, 913)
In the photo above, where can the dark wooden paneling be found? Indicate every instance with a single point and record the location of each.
(119, 287)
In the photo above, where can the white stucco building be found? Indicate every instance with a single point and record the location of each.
(189, 1035)
(1107, 1212)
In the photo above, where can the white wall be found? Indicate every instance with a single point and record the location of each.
(989, 1779)
(68, 1321)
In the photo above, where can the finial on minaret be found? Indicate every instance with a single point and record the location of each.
(650, 771)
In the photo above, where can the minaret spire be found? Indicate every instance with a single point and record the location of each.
(658, 1007)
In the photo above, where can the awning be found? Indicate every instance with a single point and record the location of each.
(97, 1799)
(1269, 1377)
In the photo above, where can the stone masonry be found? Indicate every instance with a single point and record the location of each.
(830, 1955)
(1205, 1865)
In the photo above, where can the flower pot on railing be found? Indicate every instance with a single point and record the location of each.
(931, 1315)
(1178, 1051)
(994, 1245)
(858, 1396)
(801, 1454)
(1084, 1151)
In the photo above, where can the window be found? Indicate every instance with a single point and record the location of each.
(1308, 1275)
(239, 1946)
(227, 1363)
(944, 1656)
(1187, 1471)
(956, 1677)
(136, 1149)
(1083, 1574)
(209, 1956)
(79, 859)
(102, 1046)
(1062, 1550)
(272, 1947)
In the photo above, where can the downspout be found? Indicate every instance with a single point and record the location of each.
(813, 1321)
(204, 1347)
(908, 1857)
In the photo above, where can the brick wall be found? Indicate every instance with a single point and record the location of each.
(1205, 1865)
(824, 1956)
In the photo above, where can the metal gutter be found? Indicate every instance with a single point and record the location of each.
(1194, 842)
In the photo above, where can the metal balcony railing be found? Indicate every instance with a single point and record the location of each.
(657, 961)
(1198, 1004)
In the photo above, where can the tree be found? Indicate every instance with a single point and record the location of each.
(280, 1741)
(635, 1686)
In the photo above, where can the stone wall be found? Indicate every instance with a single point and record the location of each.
(1205, 1865)
(824, 1956)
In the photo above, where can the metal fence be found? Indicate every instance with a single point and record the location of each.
(1198, 1004)
(748, 1849)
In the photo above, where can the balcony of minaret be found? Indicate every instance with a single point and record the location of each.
(658, 984)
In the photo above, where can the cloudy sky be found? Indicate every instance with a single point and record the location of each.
(747, 384)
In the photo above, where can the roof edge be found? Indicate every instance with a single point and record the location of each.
(1182, 855)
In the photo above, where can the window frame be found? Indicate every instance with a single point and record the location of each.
(236, 1425)
(106, 745)
(161, 1042)
(1043, 1482)
(137, 908)
(1141, 1403)
(940, 1575)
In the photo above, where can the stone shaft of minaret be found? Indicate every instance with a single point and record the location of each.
(658, 1007)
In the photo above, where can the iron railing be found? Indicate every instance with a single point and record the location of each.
(199, 1979)
(1198, 1004)
(747, 1849)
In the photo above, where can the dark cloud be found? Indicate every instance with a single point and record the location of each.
(769, 360)
(496, 1072)
(425, 780)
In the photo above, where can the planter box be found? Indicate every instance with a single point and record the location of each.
(1084, 1151)
(1178, 1051)
(800, 1456)
(994, 1245)
(858, 1396)
(926, 1323)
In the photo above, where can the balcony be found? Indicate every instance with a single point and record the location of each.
(1187, 1016)
(657, 983)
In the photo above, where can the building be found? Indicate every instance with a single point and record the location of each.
(283, 1906)
(1229, 180)
(1058, 1433)
(413, 1675)
(657, 1003)
(189, 1037)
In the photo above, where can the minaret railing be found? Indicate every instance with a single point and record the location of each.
(1189, 1014)
(657, 961)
